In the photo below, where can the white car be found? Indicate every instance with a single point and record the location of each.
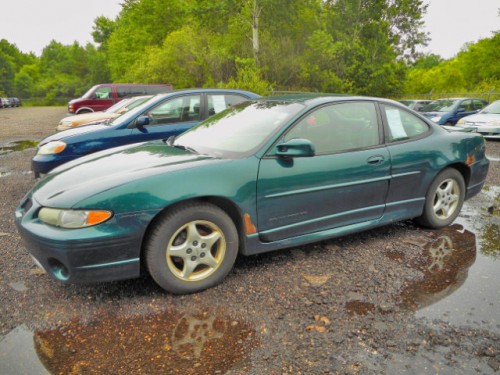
(485, 122)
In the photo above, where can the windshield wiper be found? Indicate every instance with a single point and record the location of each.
(170, 142)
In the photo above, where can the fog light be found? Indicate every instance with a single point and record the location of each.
(58, 270)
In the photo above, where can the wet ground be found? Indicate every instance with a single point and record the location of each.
(391, 300)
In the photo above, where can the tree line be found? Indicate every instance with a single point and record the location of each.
(363, 47)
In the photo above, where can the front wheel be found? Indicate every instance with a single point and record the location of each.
(444, 200)
(191, 248)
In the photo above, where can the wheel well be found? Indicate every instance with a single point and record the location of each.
(83, 110)
(224, 204)
(464, 171)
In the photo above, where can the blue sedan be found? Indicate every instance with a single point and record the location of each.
(449, 111)
(163, 116)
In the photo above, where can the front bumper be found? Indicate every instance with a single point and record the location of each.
(491, 132)
(109, 251)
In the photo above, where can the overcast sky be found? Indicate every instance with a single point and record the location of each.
(32, 24)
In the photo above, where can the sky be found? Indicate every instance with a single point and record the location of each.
(32, 24)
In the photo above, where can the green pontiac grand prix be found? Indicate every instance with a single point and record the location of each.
(263, 175)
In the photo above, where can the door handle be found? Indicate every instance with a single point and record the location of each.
(375, 160)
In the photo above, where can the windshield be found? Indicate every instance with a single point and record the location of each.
(493, 108)
(89, 93)
(239, 130)
(115, 107)
(443, 105)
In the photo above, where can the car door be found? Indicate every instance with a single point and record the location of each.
(411, 151)
(466, 108)
(344, 183)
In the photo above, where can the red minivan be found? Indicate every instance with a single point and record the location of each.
(102, 96)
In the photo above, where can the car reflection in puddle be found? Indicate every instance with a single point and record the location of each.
(204, 342)
(446, 260)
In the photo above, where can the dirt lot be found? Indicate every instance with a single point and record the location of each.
(392, 300)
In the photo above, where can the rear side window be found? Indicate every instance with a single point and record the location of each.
(403, 125)
(479, 104)
(123, 91)
(219, 102)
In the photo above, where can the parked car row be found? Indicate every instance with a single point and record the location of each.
(9, 102)
(182, 184)
(469, 114)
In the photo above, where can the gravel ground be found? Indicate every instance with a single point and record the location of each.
(346, 306)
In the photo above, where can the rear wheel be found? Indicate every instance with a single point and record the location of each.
(444, 200)
(192, 248)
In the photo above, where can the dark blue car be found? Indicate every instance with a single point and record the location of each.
(449, 111)
(161, 117)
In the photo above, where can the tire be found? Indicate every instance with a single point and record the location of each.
(443, 200)
(191, 248)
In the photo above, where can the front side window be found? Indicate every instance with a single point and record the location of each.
(403, 125)
(103, 92)
(339, 127)
(181, 109)
(466, 105)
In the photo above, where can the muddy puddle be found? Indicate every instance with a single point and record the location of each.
(17, 146)
(207, 342)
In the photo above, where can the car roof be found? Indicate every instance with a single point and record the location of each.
(205, 90)
(313, 99)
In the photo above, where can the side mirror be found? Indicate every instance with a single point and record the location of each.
(297, 147)
(142, 121)
(461, 109)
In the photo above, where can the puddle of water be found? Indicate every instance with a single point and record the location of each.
(17, 146)
(445, 265)
(198, 343)
(469, 292)
(18, 355)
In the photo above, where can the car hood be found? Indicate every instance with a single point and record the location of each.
(432, 114)
(72, 132)
(75, 181)
(482, 118)
(88, 117)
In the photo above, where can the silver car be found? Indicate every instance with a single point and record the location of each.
(485, 122)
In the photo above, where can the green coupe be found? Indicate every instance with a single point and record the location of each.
(263, 175)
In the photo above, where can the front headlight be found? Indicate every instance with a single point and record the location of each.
(66, 123)
(436, 118)
(51, 148)
(72, 219)
(461, 121)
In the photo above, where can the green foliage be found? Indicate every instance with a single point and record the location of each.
(248, 77)
(475, 69)
(343, 46)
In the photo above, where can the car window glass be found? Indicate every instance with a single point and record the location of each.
(478, 104)
(219, 102)
(403, 125)
(137, 90)
(339, 127)
(181, 109)
(466, 105)
(122, 91)
(103, 92)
